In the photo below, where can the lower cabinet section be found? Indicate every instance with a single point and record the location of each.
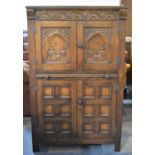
(76, 111)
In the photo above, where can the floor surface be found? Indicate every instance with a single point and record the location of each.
(126, 141)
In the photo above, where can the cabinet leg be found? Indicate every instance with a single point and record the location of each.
(118, 146)
(36, 148)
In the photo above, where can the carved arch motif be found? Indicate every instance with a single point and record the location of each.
(96, 49)
(55, 48)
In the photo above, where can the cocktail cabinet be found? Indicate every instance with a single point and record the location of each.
(77, 73)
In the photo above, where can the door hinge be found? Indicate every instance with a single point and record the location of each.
(117, 60)
(34, 29)
(35, 61)
(35, 88)
(116, 87)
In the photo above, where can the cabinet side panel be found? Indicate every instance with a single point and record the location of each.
(32, 79)
(121, 84)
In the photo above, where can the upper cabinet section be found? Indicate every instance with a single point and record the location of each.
(76, 39)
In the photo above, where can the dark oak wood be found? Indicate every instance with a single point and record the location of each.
(121, 84)
(32, 80)
(76, 74)
(128, 5)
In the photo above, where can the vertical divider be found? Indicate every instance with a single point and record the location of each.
(74, 109)
(80, 41)
(96, 106)
(38, 55)
(113, 106)
(74, 41)
(79, 109)
(40, 106)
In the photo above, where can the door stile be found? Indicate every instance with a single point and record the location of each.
(74, 109)
(79, 109)
(40, 110)
(80, 43)
(96, 111)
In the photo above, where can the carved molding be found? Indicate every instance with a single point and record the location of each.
(76, 14)
(88, 32)
(65, 32)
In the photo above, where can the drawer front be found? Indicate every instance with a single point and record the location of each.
(57, 108)
(96, 108)
(55, 46)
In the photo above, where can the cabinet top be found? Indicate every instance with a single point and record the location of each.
(74, 7)
(76, 12)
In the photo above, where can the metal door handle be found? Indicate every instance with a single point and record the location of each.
(80, 45)
(80, 101)
(50, 78)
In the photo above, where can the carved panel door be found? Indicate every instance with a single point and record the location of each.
(56, 109)
(96, 108)
(97, 43)
(55, 45)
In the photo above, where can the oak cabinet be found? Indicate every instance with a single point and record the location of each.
(76, 74)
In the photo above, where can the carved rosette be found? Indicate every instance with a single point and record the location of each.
(76, 15)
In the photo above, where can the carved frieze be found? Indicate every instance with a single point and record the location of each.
(76, 15)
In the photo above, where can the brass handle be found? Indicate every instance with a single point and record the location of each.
(80, 45)
(80, 101)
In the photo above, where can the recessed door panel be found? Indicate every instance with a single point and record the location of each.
(57, 108)
(96, 108)
(55, 46)
(97, 46)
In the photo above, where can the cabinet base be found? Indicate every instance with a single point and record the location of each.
(117, 147)
(36, 148)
